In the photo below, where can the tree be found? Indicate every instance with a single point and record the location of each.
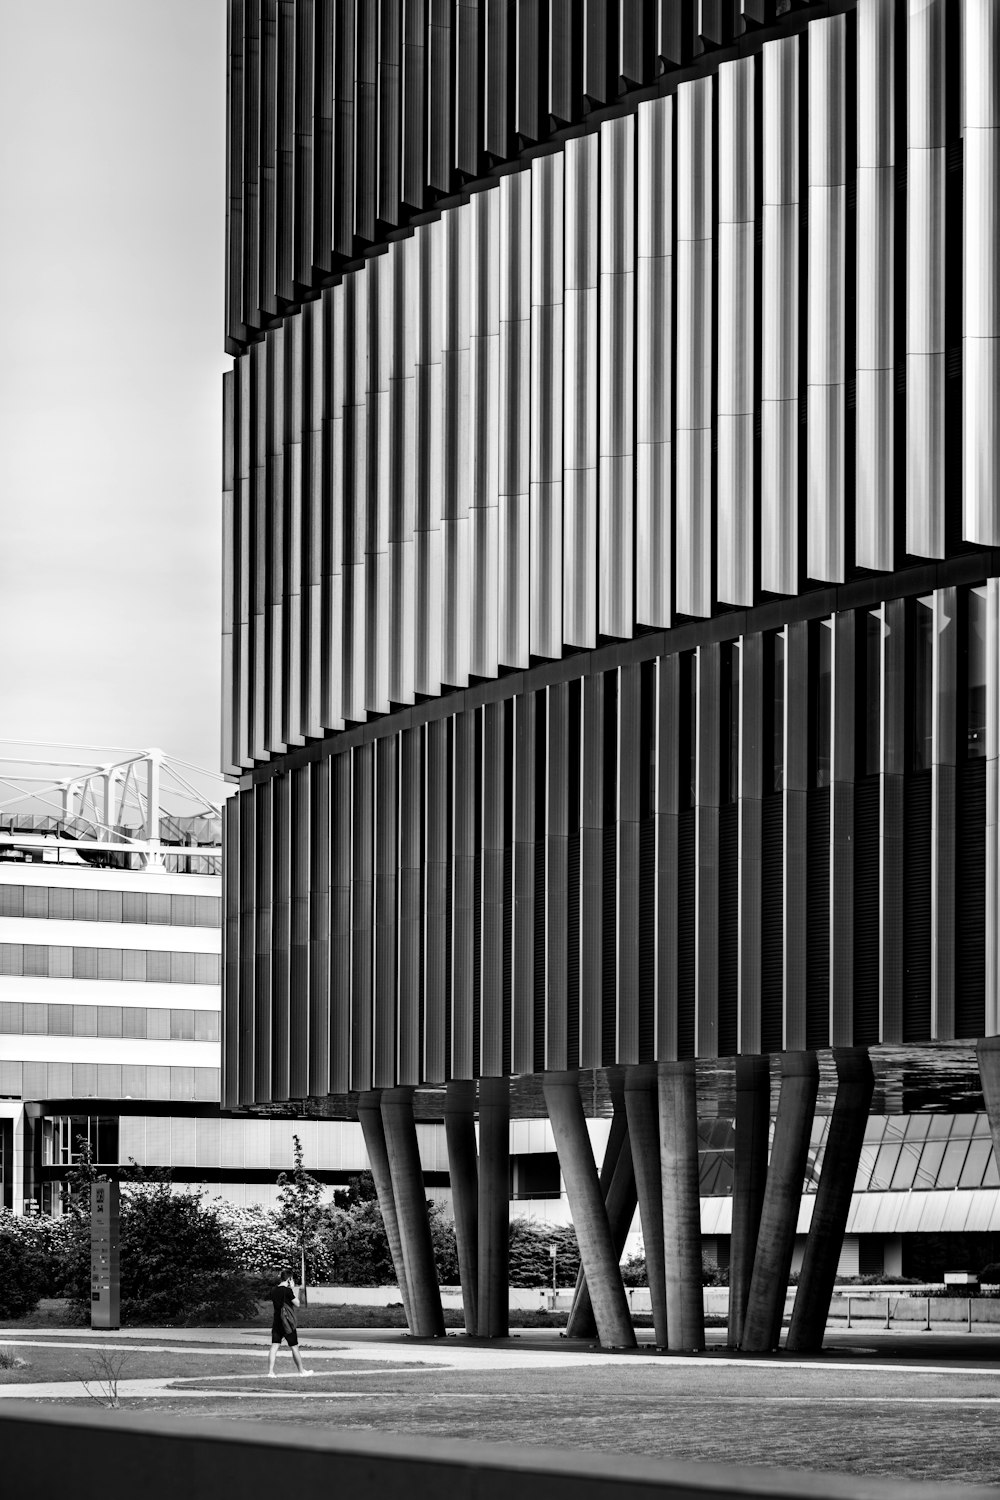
(300, 1207)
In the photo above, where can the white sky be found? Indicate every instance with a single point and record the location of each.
(112, 218)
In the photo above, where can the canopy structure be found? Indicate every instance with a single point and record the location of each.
(100, 801)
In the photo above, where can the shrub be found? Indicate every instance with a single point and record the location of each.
(177, 1264)
(22, 1277)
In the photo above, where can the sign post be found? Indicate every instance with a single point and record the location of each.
(104, 1269)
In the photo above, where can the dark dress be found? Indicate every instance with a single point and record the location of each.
(283, 1322)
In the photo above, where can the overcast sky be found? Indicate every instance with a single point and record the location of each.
(112, 222)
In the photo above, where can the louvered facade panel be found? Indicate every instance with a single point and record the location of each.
(611, 635)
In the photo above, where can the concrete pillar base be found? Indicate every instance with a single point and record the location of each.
(753, 1117)
(370, 1119)
(644, 1134)
(590, 1219)
(580, 1323)
(855, 1087)
(681, 1205)
(493, 1297)
(425, 1316)
(780, 1212)
(463, 1170)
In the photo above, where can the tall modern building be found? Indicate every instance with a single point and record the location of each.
(612, 615)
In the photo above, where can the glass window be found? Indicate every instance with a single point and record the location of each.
(873, 691)
(991, 1177)
(85, 906)
(975, 1164)
(182, 1025)
(865, 1164)
(207, 1083)
(885, 1166)
(61, 1020)
(206, 968)
(36, 1020)
(109, 906)
(206, 1026)
(109, 963)
(60, 963)
(134, 906)
(158, 1025)
(85, 1080)
(158, 910)
(134, 1022)
(952, 1163)
(157, 967)
(36, 901)
(975, 675)
(182, 968)
(210, 908)
(157, 1082)
(916, 1127)
(106, 1138)
(60, 904)
(906, 1167)
(11, 1017)
(182, 909)
(36, 960)
(11, 958)
(930, 1162)
(11, 900)
(730, 779)
(923, 684)
(821, 643)
(109, 1020)
(134, 1080)
(84, 963)
(775, 705)
(85, 1020)
(134, 963)
(939, 1126)
(963, 1125)
(688, 747)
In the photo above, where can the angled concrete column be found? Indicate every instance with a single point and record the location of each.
(370, 1118)
(425, 1317)
(681, 1205)
(779, 1216)
(463, 1170)
(493, 1298)
(846, 1136)
(581, 1317)
(988, 1055)
(590, 1219)
(620, 1204)
(753, 1115)
(644, 1135)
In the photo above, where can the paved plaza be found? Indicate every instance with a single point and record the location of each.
(906, 1406)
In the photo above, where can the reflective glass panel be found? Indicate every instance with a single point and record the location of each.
(975, 692)
(975, 1164)
(885, 1166)
(906, 1167)
(873, 692)
(952, 1163)
(922, 728)
(930, 1161)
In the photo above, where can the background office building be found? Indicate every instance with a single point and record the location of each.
(611, 608)
(110, 940)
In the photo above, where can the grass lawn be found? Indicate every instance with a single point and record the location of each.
(898, 1424)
